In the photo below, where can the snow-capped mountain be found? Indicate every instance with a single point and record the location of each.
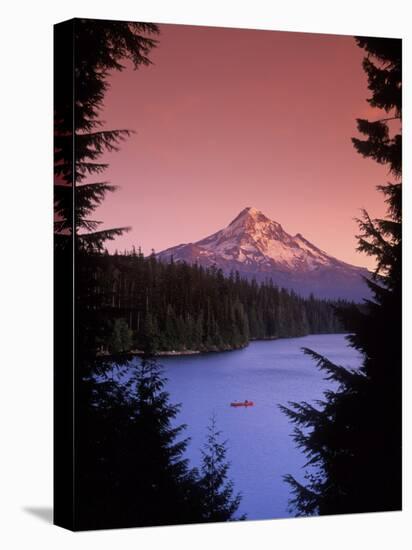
(260, 248)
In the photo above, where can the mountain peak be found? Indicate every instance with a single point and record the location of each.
(252, 210)
(250, 213)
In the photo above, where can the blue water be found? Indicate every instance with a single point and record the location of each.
(260, 448)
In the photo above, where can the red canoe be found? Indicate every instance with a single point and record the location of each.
(245, 403)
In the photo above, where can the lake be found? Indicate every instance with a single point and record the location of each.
(260, 447)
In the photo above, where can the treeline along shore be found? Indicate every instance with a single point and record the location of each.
(185, 308)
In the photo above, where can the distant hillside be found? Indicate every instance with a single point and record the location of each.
(181, 307)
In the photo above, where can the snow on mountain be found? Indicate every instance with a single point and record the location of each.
(260, 248)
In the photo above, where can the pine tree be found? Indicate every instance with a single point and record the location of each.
(136, 473)
(100, 47)
(219, 501)
(353, 440)
(165, 470)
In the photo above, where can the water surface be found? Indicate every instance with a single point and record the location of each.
(260, 448)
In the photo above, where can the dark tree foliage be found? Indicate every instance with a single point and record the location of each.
(184, 307)
(219, 502)
(134, 473)
(353, 438)
(80, 139)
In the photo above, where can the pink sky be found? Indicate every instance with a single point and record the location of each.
(229, 118)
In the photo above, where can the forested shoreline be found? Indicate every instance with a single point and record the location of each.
(182, 308)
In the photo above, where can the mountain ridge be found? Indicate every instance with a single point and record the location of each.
(258, 247)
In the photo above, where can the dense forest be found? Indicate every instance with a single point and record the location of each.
(182, 307)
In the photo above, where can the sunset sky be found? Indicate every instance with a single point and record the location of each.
(229, 118)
